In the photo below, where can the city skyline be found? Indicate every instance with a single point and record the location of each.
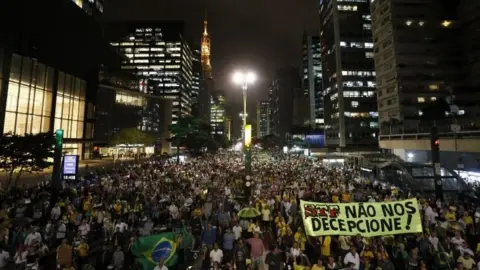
(242, 37)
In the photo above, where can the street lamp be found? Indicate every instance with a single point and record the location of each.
(244, 79)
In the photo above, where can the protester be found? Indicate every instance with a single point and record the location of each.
(97, 220)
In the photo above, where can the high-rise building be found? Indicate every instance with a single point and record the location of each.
(312, 79)
(160, 56)
(122, 106)
(350, 105)
(417, 60)
(44, 86)
(262, 118)
(427, 55)
(217, 115)
(197, 78)
(91, 7)
(281, 93)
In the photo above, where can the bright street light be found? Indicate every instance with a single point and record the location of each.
(244, 78)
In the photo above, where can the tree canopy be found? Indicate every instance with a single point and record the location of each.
(192, 133)
(133, 136)
(28, 153)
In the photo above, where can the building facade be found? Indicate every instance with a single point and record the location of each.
(162, 59)
(417, 61)
(197, 84)
(350, 107)
(427, 55)
(281, 93)
(91, 7)
(217, 115)
(312, 79)
(122, 106)
(263, 119)
(44, 86)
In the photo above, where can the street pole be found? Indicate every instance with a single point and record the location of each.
(437, 167)
(246, 149)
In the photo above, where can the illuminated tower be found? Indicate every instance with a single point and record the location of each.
(207, 67)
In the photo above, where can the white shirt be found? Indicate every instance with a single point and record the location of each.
(61, 231)
(434, 242)
(32, 238)
(121, 226)
(216, 255)
(84, 229)
(430, 215)
(457, 241)
(237, 230)
(21, 257)
(162, 268)
(4, 257)
(350, 258)
(296, 252)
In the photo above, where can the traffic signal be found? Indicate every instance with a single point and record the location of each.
(59, 138)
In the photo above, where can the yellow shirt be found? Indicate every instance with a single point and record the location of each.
(468, 220)
(335, 199)
(251, 226)
(317, 267)
(450, 216)
(86, 205)
(279, 219)
(326, 246)
(346, 197)
(301, 239)
(82, 250)
(367, 255)
(298, 267)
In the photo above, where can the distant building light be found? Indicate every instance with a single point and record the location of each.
(408, 22)
(433, 87)
(421, 23)
(446, 23)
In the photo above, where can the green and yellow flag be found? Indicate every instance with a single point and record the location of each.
(149, 250)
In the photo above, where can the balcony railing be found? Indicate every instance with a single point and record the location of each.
(419, 132)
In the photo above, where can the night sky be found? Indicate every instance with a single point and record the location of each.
(257, 34)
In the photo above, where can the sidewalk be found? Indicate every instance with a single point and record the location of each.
(30, 179)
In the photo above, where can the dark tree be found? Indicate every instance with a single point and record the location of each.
(28, 153)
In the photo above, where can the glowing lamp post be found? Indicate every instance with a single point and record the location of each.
(244, 79)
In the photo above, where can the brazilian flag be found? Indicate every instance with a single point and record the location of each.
(149, 250)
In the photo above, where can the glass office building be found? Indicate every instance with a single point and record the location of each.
(36, 102)
(48, 79)
(163, 60)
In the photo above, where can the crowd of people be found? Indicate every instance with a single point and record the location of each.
(93, 222)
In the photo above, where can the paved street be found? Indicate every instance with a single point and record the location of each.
(30, 179)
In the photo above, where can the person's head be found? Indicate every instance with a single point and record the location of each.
(256, 235)
(119, 248)
(215, 246)
(353, 250)
(319, 262)
(331, 259)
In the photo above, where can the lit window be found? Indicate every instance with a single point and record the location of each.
(369, 55)
(354, 104)
(433, 87)
(408, 22)
(421, 23)
(420, 113)
(461, 112)
(421, 99)
(446, 23)
(343, 44)
(368, 45)
(433, 98)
